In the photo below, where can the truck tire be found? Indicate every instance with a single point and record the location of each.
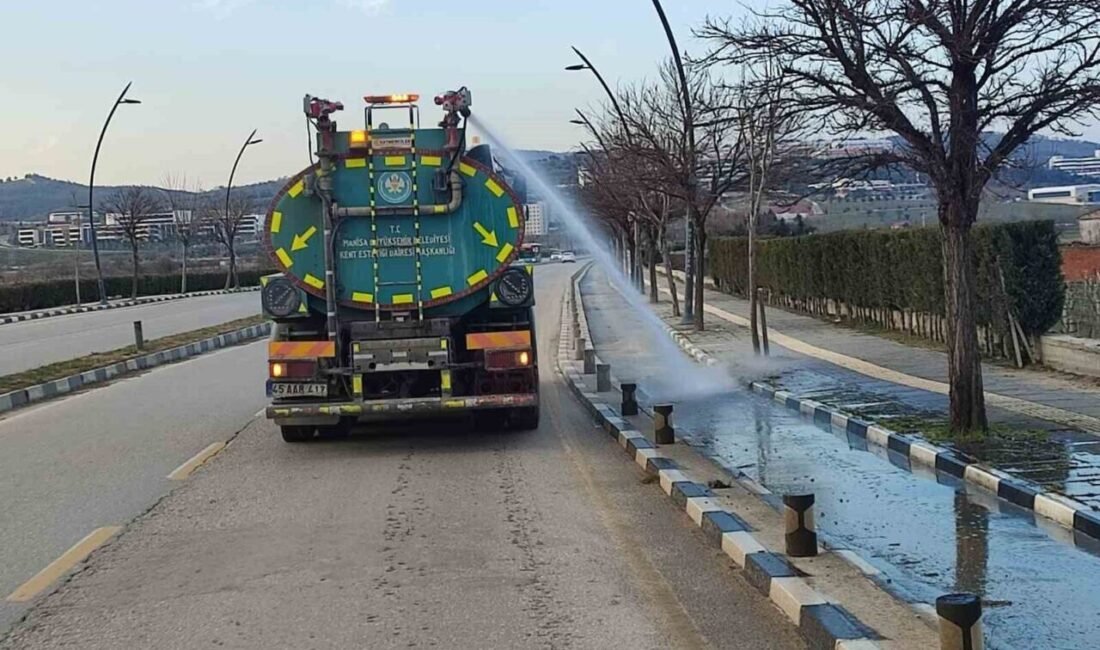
(525, 419)
(297, 433)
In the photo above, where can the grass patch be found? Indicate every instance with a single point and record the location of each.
(62, 369)
(936, 429)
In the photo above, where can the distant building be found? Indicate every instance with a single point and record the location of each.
(251, 226)
(536, 219)
(1068, 194)
(1079, 166)
(805, 209)
(31, 237)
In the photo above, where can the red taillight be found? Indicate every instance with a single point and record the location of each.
(292, 369)
(507, 359)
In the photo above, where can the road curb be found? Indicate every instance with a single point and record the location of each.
(1059, 508)
(39, 392)
(81, 309)
(822, 623)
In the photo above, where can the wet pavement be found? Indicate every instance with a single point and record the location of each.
(929, 534)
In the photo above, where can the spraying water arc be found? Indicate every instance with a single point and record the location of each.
(685, 379)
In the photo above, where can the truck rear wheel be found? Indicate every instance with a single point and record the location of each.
(525, 419)
(297, 433)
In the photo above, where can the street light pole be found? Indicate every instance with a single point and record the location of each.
(634, 270)
(91, 191)
(228, 189)
(689, 127)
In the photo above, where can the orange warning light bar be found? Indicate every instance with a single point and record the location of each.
(358, 138)
(400, 98)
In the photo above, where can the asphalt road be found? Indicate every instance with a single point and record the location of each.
(101, 457)
(35, 343)
(437, 535)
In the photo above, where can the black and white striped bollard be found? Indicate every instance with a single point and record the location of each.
(960, 622)
(663, 433)
(589, 361)
(798, 515)
(630, 404)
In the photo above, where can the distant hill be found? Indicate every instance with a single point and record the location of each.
(34, 196)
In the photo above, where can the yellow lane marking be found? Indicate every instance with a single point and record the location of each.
(496, 189)
(63, 564)
(184, 470)
(276, 221)
(395, 161)
(313, 281)
(358, 296)
(402, 299)
(505, 251)
(296, 189)
(513, 218)
(351, 163)
(1014, 404)
(431, 161)
(467, 169)
(477, 277)
(441, 292)
(284, 257)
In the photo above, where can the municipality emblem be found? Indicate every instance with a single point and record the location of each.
(395, 187)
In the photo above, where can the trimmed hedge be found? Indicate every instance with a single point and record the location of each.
(894, 278)
(55, 293)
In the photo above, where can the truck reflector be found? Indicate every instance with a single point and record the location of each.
(300, 349)
(490, 340)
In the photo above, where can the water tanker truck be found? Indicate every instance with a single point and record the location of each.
(397, 295)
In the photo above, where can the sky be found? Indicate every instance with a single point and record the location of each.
(209, 71)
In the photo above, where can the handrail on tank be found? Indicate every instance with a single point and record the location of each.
(447, 208)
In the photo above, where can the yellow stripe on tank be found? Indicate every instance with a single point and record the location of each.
(358, 296)
(467, 169)
(314, 282)
(296, 189)
(352, 163)
(402, 299)
(504, 252)
(276, 221)
(477, 277)
(494, 187)
(395, 161)
(431, 161)
(513, 217)
(284, 257)
(441, 292)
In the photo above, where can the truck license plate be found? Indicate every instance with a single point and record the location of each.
(298, 389)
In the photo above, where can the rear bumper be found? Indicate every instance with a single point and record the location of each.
(332, 412)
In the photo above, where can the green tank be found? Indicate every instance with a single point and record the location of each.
(420, 226)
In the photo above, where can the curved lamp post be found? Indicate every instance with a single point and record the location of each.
(249, 141)
(689, 127)
(122, 99)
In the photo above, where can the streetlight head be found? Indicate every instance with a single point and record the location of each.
(576, 66)
(580, 122)
(131, 101)
(256, 141)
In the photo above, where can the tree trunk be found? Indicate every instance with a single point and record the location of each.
(231, 275)
(689, 265)
(754, 326)
(700, 274)
(134, 257)
(183, 271)
(964, 369)
(668, 274)
(651, 254)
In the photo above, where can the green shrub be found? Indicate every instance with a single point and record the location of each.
(902, 271)
(55, 293)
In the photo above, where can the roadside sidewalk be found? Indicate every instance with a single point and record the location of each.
(875, 381)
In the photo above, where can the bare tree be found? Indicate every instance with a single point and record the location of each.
(660, 129)
(768, 122)
(939, 74)
(185, 201)
(134, 206)
(226, 227)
